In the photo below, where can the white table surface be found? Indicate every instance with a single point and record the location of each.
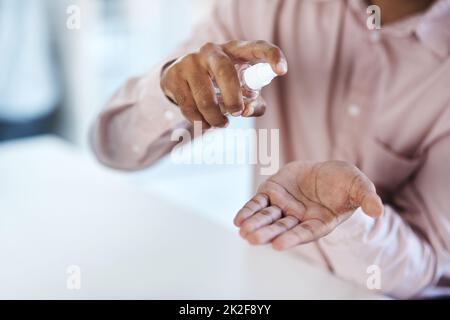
(59, 208)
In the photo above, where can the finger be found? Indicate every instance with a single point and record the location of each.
(363, 194)
(193, 116)
(254, 108)
(182, 96)
(263, 218)
(227, 79)
(257, 203)
(304, 233)
(255, 51)
(280, 196)
(268, 233)
(205, 98)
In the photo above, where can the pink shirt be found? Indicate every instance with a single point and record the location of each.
(377, 99)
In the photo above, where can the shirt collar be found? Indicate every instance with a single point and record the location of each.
(432, 27)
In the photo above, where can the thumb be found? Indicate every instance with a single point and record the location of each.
(372, 205)
(363, 194)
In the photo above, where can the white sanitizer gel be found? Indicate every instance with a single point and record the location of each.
(253, 79)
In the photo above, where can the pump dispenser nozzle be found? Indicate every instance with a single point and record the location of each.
(258, 76)
(253, 79)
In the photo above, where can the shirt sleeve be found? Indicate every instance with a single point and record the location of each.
(134, 130)
(410, 257)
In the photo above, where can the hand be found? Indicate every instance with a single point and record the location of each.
(304, 202)
(189, 80)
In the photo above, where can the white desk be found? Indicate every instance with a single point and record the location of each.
(58, 208)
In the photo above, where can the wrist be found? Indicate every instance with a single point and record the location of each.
(352, 228)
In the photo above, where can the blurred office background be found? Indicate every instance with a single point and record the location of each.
(49, 62)
(55, 77)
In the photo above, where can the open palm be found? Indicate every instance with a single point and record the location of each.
(305, 201)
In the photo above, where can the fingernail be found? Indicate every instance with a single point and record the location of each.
(282, 67)
(250, 109)
(237, 114)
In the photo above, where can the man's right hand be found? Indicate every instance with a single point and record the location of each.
(188, 80)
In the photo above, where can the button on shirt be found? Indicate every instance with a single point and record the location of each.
(378, 99)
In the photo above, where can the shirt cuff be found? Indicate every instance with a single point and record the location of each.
(356, 226)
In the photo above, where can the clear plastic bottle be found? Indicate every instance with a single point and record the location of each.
(253, 78)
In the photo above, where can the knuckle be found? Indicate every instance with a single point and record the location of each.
(261, 42)
(169, 74)
(236, 44)
(218, 58)
(209, 46)
(231, 43)
(190, 58)
(273, 53)
(225, 70)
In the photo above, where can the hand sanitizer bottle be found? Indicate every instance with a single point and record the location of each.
(253, 78)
